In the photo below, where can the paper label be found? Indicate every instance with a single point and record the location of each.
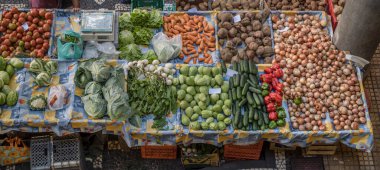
(25, 26)
(214, 91)
(237, 18)
(283, 30)
(231, 73)
(193, 10)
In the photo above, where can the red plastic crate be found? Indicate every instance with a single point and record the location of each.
(252, 152)
(159, 152)
(331, 11)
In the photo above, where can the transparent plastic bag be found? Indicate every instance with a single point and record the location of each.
(90, 50)
(166, 48)
(104, 50)
(60, 96)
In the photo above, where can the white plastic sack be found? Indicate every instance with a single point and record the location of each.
(166, 48)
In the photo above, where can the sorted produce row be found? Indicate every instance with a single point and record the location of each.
(245, 35)
(317, 80)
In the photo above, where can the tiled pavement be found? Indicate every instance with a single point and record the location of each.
(344, 159)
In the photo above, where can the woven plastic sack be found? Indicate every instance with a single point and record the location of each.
(69, 50)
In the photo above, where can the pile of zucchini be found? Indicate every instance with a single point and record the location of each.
(248, 105)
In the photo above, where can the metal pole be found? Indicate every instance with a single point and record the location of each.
(358, 30)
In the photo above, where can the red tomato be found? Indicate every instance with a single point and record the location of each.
(49, 21)
(15, 16)
(42, 12)
(47, 35)
(23, 15)
(14, 10)
(36, 20)
(34, 12)
(20, 29)
(39, 41)
(46, 27)
(3, 48)
(40, 54)
(36, 35)
(21, 20)
(38, 46)
(8, 15)
(41, 30)
(19, 35)
(5, 53)
(2, 29)
(5, 22)
(49, 15)
(33, 43)
(30, 18)
(13, 38)
(27, 45)
(45, 45)
(41, 23)
(7, 42)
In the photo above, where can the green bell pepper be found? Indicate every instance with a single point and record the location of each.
(264, 93)
(280, 122)
(272, 125)
(265, 86)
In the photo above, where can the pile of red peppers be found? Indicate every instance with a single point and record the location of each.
(272, 93)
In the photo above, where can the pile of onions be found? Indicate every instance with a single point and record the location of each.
(315, 71)
(25, 32)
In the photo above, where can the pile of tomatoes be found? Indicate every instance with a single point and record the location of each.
(27, 32)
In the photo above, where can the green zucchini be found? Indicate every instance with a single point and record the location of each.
(255, 90)
(243, 79)
(242, 102)
(236, 118)
(256, 98)
(234, 95)
(236, 80)
(245, 89)
(245, 119)
(261, 120)
(250, 98)
(250, 114)
(238, 92)
(255, 114)
(246, 65)
(231, 82)
(261, 99)
(265, 116)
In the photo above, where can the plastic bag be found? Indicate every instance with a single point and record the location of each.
(166, 48)
(59, 97)
(90, 50)
(104, 50)
(70, 45)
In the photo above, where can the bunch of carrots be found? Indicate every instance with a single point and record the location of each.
(197, 36)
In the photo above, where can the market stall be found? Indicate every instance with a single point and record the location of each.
(173, 78)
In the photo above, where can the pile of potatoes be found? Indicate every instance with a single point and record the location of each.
(297, 5)
(338, 8)
(185, 5)
(248, 38)
(233, 5)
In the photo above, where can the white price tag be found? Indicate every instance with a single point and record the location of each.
(193, 10)
(231, 73)
(237, 18)
(214, 91)
(283, 30)
(25, 26)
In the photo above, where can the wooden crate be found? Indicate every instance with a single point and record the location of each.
(321, 150)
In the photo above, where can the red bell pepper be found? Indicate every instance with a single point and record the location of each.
(267, 100)
(276, 97)
(278, 73)
(278, 87)
(275, 66)
(274, 82)
(272, 116)
(266, 78)
(271, 107)
(268, 70)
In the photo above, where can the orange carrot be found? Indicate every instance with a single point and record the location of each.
(210, 61)
(184, 51)
(198, 41)
(201, 59)
(202, 45)
(188, 28)
(211, 45)
(207, 59)
(205, 49)
(194, 60)
(205, 24)
(193, 33)
(179, 28)
(192, 51)
(211, 49)
(187, 60)
(196, 20)
(199, 25)
(212, 39)
(206, 55)
(175, 32)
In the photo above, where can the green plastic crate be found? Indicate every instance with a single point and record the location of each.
(157, 4)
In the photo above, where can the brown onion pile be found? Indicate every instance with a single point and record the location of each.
(315, 71)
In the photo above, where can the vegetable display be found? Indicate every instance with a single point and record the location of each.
(244, 35)
(186, 5)
(8, 68)
(104, 89)
(151, 91)
(299, 5)
(203, 98)
(27, 32)
(197, 36)
(316, 78)
(231, 5)
(37, 102)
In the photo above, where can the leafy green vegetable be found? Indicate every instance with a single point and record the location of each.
(155, 19)
(93, 88)
(94, 105)
(131, 52)
(142, 35)
(150, 55)
(51, 67)
(100, 71)
(125, 38)
(43, 79)
(125, 21)
(139, 17)
(83, 74)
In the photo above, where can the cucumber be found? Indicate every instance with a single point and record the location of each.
(256, 97)
(224, 67)
(231, 82)
(235, 66)
(260, 121)
(245, 119)
(243, 80)
(236, 80)
(230, 94)
(255, 114)
(234, 95)
(253, 78)
(254, 125)
(239, 68)
(236, 119)
(245, 89)
(250, 98)
(238, 92)
(261, 99)
(263, 127)
(255, 90)
(246, 65)
(252, 67)
(242, 102)
(265, 116)
(250, 115)
(240, 123)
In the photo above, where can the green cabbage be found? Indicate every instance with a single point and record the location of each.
(94, 105)
(93, 88)
(131, 52)
(125, 38)
(100, 71)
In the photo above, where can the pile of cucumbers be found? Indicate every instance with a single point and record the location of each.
(248, 106)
